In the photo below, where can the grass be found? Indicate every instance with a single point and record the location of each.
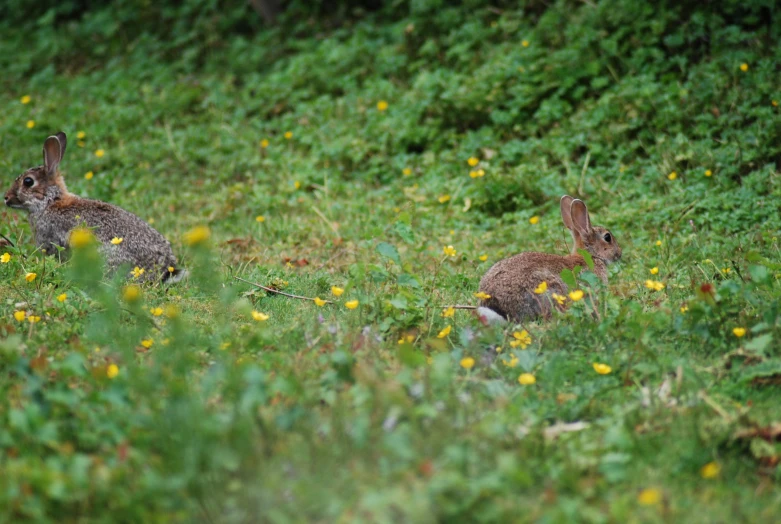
(320, 413)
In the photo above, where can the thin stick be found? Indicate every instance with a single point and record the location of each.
(272, 290)
(7, 240)
(455, 306)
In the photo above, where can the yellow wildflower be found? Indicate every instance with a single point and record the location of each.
(5, 258)
(80, 143)
(575, 295)
(382, 105)
(137, 272)
(147, 343)
(654, 284)
(131, 293)
(117, 240)
(352, 304)
(319, 302)
(526, 379)
(482, 296)
(33, 319)
(112, 371)
(156, 311)
(708, 172)
(774, 103)
(534, 220)
(81, 135)
(288, 135)
(525, 43)
(521, 339)
(297, 184)
(171, 269)
(449, 251)
(406, 171)
(649, 496)
(684, 309)
(602, 369)
(30, 124)
(62, 298)
(25, 99)
(473, 161)
(99, 153)
(449, 312)
(467, 363)
(483, 258)
(658, 243)
(739, 331)
(258, 316)
(654, 270)
(443, 199)
(88, 175)
(744, 67)
(197, 235)
(672, 176)
(542, 288)
(337, 291)
(224, 346)
(260, 218)
(29, 277)
(559, 298)
(172, 311)
(19, 315)
(264, 143)
(80, 237)
(512, 362)
(445, 332)
(710, 470)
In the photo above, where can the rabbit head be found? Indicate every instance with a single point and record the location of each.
(597, 240)
(39, 186)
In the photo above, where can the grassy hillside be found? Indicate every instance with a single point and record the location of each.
(336, 149)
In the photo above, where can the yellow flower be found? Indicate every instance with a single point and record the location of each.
(171, 269)
(117, 240)
(473, 161)
(88, 175)
(774, 103)
(445, 332)
(319, 302)
(602, 369)
(25, 99)
(224, 346)
(654, 270)
(80, 143)
(483, 258)
(406, 171)
(156, 311)
(147, 343)
(33, 319)
(526, 379)
(482, 296)
(260, 218)
(658, 243)
(477, 173)
(534, 220)
(19, 315)
(739, 331)
(542, 288)
(559, 298)
(62, 298)
(684, 309)
(467, 363)
(443, 199)
(672, 176)
(297, 184)
(382, 105)
(337, 291)
(5, 258)
(473, 174)
(172, 311)
(197, 235)
(258, 316)
(352, 304)
(708, 172)
(80, 237)
(29, 277)
(449, 312)
(99, 153)
(521, 339)
(575, 295)
(655, 285)
(512, 362)
(525, 43)
(726, 270)
(30, 124)
(288, 135)
(744, 67)
(264, 143)
(81, 135)
(449, 251)
(131, 293)
(710, 470)
(649, 496)
(137, 272)
(112, 371)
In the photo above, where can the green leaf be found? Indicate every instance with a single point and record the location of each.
(569, 278)
(587, 257)
(399, 302)
(404, 231)
(409, 356)
(758, 273)
(759, 343)
(389, 251)
(406, 279)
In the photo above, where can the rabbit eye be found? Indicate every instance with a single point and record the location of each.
(608, 238)
(28, 182)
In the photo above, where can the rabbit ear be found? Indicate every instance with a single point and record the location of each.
(53, 151)
(566, 217)
(580, 219)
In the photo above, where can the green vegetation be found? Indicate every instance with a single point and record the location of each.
(320, 413)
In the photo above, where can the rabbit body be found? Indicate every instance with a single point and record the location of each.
(511, 282)
(54, 213)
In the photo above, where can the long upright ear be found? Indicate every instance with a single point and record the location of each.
(580, 219)
(53, 151)
(566, 202)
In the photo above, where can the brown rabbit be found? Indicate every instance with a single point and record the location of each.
(54, 213)
(511, 282)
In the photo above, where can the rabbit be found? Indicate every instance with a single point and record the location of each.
(511, 281)
(54, 213)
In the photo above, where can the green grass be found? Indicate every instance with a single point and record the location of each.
(319, 413)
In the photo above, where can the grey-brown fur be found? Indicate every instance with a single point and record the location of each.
(54, 213)
(511, 281)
